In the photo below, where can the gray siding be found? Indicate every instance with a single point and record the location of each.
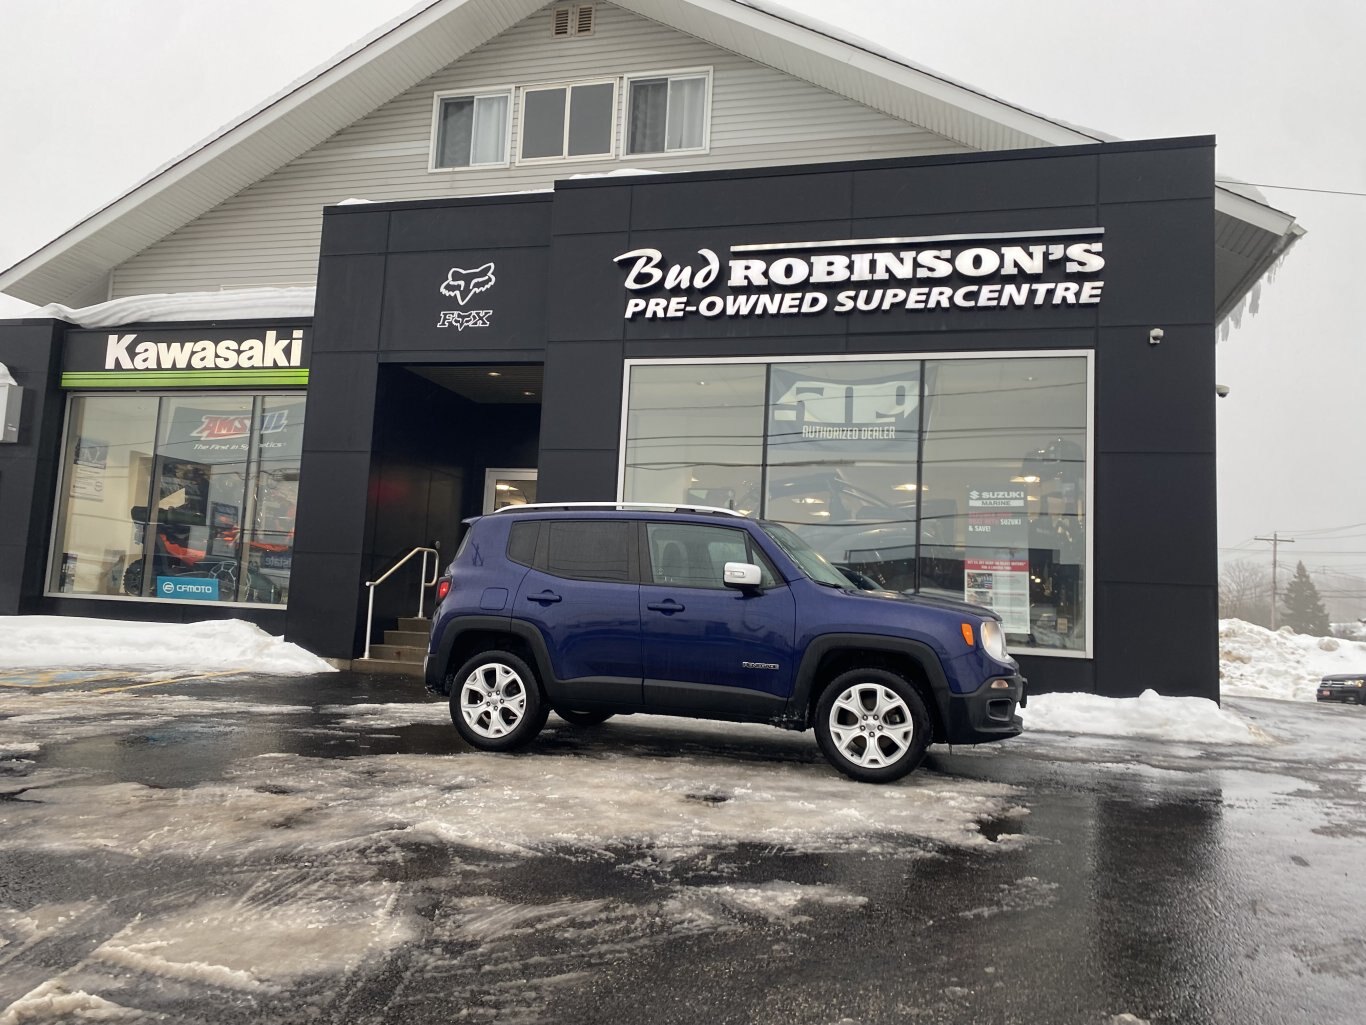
(268, 233)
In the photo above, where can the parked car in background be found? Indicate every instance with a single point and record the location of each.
(1343, 687)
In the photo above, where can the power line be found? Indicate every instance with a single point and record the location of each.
(1291, 188)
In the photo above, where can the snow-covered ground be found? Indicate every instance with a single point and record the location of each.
(1254, 662)
(228, 645)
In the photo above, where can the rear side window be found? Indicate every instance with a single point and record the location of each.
(522, 541)
(590, 549)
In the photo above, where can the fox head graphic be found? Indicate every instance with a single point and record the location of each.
(465, 284)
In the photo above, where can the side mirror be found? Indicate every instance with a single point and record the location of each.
(743, 576)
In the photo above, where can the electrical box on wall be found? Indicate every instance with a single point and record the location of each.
(11, 401)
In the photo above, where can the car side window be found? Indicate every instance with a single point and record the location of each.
(589, 549)
(522, 539)
(695, 555)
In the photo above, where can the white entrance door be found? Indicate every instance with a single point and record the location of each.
(504, 487)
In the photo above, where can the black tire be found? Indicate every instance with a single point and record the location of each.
(132, 577)
(496, 702)
(872, 725)
(583, 718)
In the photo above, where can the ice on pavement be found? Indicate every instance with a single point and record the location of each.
(1257, 662)
(1150, 715)
(51, 1001)
(225, 645)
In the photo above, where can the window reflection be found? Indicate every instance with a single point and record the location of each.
(959, 477)
(204, 514)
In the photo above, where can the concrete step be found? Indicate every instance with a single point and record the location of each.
(387, 667)
(411, 638)
(399, 652)
(413, 624)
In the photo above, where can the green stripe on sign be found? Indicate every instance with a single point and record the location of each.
(181, 378)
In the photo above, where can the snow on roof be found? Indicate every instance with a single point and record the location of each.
(235, 304)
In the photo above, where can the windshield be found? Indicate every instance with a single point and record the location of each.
(812, 562)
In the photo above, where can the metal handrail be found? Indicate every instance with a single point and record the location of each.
(423, 584)
(674, 506)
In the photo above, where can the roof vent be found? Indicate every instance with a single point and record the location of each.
(572, 20)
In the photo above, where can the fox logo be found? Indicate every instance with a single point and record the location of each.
(464, 285)
(461, 319)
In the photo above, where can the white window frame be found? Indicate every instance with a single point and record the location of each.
(1088, 355)
(475, 94)
(701, 72)
(564, 158)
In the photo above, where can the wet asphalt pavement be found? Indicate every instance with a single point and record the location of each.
(232, 849)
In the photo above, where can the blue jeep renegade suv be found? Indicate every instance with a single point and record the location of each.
(597, 609)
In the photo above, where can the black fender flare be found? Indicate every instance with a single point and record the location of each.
(438, 661)
(922, 654)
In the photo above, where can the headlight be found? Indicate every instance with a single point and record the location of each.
(1356, 683)
(994, 640)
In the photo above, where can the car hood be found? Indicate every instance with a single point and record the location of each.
(930, 601)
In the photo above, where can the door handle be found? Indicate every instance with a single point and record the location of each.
(665, 606)
(545, 597)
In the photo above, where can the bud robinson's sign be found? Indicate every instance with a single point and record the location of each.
(185, 358)
(854, 276)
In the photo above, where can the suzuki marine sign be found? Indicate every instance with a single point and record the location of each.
(185, 358)
(1060, 267)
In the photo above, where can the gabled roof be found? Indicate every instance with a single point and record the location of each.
(1252, 234)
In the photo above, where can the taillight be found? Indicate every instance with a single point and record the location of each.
(443, 588)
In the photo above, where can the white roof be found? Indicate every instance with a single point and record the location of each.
(1251, 234)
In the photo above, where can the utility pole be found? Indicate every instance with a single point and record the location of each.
(1276, 541)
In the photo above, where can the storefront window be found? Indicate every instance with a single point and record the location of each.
(205, 514)
(964, 478)
(696, 434)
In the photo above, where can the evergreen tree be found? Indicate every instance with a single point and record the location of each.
(1304, 611)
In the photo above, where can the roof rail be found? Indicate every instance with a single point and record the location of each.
(669, 506)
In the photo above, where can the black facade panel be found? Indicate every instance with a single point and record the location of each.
(341, 402)
(740, 346)
(922, 341)
(1047, 675)
(1155, 518)
(767, 198)
(589, 210)
(333, 488)
(1015, 183)
(496, 298)
(582, 405)
(1165, 174)
(584, 273)
(1158, 398)
(349, 233)
(1159, 263)
(268, 619)
(909, 223)
(348, 302)
(1157, 636)
(510, 221)
(12, 562)
(328, 617)
(577, 475)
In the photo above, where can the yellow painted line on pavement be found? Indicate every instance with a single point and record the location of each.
(163, 683)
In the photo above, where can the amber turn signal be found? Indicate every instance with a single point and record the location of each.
(967, 634)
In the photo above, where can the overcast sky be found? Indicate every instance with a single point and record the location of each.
(94, 95)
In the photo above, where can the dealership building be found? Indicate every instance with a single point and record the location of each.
(674, 251)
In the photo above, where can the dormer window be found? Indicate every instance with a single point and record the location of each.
(568, 121)
(471, 129)
(667, 113)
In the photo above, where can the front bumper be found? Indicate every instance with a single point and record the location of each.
(987, 713)
(1356, 695)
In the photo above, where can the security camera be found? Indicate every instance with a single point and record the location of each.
(1221, 390)
(1155, 335)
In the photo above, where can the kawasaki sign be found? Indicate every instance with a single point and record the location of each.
(173, 358)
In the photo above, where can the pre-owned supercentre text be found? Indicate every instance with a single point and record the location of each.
(760, 285)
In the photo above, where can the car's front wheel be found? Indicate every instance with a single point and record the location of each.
(496, 703)
(872, 725)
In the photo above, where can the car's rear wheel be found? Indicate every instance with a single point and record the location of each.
(583, 718)
(872, 725)
(496, 702)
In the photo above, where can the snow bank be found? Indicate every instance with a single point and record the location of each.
(228, 645)
(236, 304)
(1254, 662)
(54, 1002)
(1150, 715)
